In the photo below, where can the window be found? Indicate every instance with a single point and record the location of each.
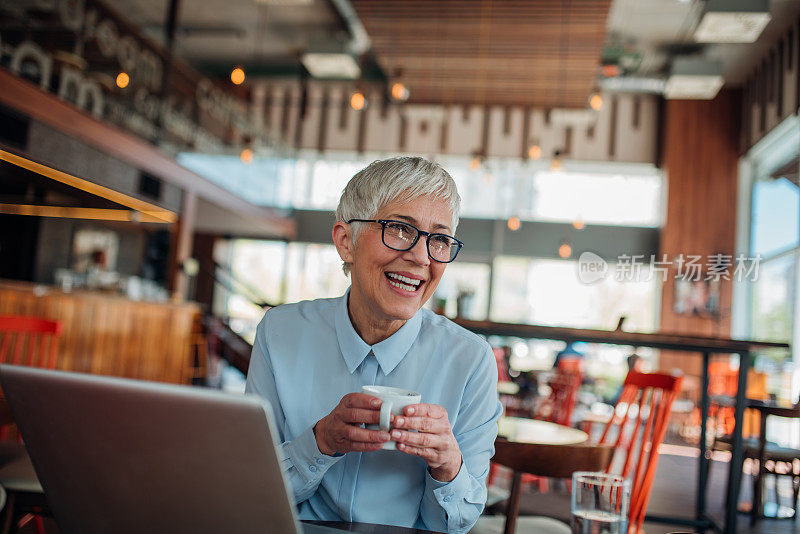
(256, 274)
(776, 216)
(774, 298)
(549, 292)
(464, 290)
(314, 271)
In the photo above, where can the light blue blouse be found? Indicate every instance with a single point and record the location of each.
(307, 356)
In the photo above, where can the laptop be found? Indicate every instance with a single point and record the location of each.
(126, 456)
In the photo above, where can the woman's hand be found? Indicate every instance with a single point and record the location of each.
(340, 430)
(434, 441)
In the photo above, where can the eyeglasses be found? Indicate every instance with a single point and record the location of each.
(402, 236)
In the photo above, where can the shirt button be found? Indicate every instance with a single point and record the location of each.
(312, 468)
(320, 461)
(448, 498)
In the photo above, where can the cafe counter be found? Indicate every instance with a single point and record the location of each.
(109, 334)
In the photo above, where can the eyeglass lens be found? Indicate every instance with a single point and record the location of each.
(402, 236)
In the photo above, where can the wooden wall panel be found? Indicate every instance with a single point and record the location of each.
(382, 126)
(772, 90)
(624, 129)
(700, 159)
(110, 335)
(343, 121)
(505, 131)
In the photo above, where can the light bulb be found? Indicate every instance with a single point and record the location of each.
(358, 101)
(237, 76)
(123, 80)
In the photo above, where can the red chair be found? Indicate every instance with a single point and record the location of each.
(559, 404)
(636, 430)
(33, 342)
(29, 341)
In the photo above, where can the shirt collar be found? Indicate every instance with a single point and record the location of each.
(388, 352)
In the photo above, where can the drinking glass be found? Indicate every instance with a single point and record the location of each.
(600, 503)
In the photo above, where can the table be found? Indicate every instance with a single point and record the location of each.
(369, 528)
(706, 346)
(533, 431)
(765, 409)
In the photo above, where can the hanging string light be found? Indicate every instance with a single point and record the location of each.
(358, 101)
(123, 80)
(237, 76)
(400, 92)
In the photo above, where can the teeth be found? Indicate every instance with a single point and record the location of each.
(404, 287)
(407, 280)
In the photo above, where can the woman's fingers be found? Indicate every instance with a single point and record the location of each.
(360, 415)
(429, 455)
(417, 439)
(422, 424)
(358, 434)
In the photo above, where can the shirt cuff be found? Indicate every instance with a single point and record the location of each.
(449, 492)
(305, 456)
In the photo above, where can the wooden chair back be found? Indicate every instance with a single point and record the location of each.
(29, 341)
(636, 431)
(556, 461)
(573, 365)
(559, 404)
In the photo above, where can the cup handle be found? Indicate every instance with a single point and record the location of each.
(386, 413)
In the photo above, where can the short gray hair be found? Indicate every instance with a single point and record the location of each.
(404, 178)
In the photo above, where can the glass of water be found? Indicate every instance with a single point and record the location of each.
(600, 503)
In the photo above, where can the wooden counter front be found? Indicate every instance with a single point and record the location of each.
(109, 334)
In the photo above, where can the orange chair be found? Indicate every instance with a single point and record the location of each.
(636, 431)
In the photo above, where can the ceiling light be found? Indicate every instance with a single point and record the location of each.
(237, 76)
(123, 80)
(358, 101)
(610, 71)
(514, 224)
(400, 92)
(565, 250)
(555, 163)
(336, 66)
(535, 152)
(246, 155)
(595, 101)
(578, 224)
(476, 162)
(632, 84)
(694, 79)
(733, 21)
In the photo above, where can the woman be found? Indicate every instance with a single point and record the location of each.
(393, 231)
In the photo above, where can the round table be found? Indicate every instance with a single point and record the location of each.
(523, 430)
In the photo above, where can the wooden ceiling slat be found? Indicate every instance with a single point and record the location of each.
(543, 52)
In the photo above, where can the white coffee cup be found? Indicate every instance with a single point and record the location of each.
(394, 402)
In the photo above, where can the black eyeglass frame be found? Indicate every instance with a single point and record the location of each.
(384, 222)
